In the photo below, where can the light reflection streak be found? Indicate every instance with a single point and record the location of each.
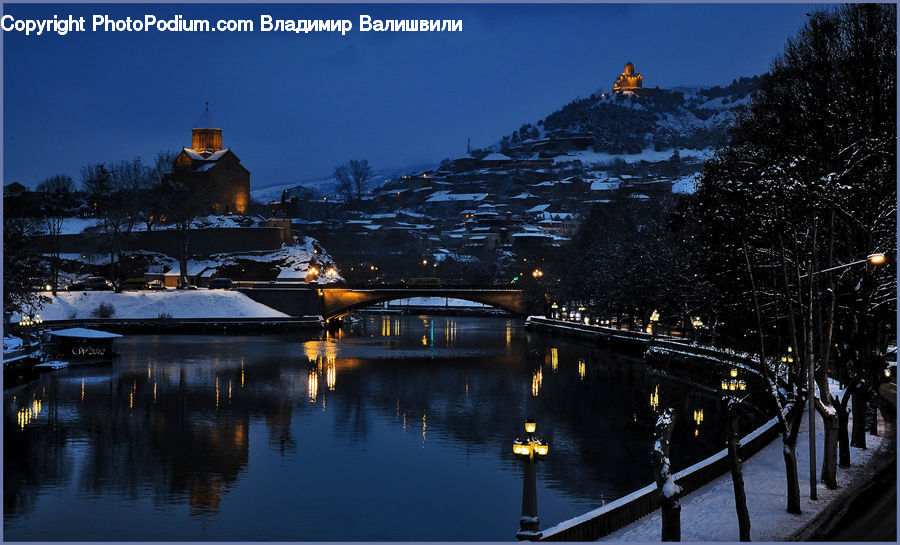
(554, 358)
(331, 374)
(424, 425)
(536, 380)
(312, 385)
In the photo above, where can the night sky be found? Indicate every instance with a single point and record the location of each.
(294, 106)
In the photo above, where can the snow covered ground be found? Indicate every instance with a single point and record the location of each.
(708, 514)
(595, 158)
(199, 303)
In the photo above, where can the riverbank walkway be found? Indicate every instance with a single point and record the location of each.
(708, 514)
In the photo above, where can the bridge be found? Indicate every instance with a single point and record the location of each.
(332, 302)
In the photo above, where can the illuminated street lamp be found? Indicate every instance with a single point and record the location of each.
(732, 383)
(874, 259)
(331, 272)
(654, 318)
(537, 273)
(529, 450)
(877, 258)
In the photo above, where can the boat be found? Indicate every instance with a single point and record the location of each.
(82, 345)
(51, 365)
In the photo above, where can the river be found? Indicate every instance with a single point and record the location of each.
(394, 428)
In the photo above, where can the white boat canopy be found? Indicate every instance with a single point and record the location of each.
(84, 333)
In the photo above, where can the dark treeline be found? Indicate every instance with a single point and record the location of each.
(771, 250)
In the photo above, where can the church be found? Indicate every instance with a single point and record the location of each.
(219, 173)
(628, 81)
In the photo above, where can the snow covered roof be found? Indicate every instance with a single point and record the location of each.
(84, 333)
(496, 157)
(291, 273)
(206, 121)
(537, 209)
(446, 196)
(531, 235)
(604, 186)
(199, 157)
(524, 195)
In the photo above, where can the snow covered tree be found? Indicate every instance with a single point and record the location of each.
(22, 266)
(806, 185)
(670, 507)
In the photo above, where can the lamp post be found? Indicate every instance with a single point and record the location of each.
(654, 318)
(875, 259)
(528, 450)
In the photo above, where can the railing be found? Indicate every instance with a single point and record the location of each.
(615, 515)
(623, 511)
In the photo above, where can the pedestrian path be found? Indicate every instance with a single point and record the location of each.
(708, 514)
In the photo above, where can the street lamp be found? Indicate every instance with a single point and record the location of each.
(653, 319)
(874, 259)
(877, 258)
(529, 450)
(537, 273)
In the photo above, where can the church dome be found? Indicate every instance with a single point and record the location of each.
(206, 121)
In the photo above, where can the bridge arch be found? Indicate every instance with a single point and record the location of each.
(336, 302)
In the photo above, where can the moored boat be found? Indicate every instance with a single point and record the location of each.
(82, 345)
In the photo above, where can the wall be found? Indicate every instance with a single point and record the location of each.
(200, 241)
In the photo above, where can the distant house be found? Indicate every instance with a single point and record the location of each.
(14, 190)
(446, 204)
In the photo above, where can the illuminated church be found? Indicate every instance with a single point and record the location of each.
(628, 81)
(219, 173)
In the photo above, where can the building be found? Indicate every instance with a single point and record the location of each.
(219, 173)
(628, 81)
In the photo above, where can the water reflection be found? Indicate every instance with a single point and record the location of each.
(225, 438)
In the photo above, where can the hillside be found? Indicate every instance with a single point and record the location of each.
(631, 122)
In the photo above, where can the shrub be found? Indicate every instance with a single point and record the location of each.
(164, 316)
(104, 311)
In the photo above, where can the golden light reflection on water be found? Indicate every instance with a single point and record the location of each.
(424, 425)
(554, 359)
(154, 391)
(654, 398)
(217, 392)
(27, 415)
(582, 368)
(331, 373)
(508, 334)
(82, 389)
(312, 385)
(536, 380)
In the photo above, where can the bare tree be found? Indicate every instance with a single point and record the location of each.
(182, 203)
(344, 182)
(353, 178)
(57, 194)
